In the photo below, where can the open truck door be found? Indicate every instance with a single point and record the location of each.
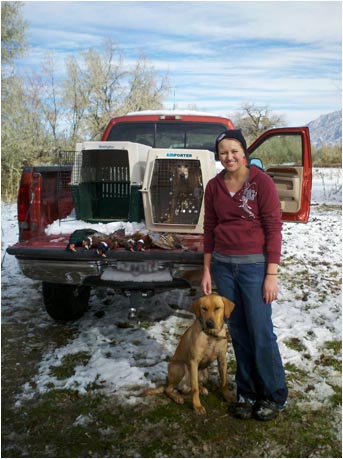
(285, 155)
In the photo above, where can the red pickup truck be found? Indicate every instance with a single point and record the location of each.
(131, 176)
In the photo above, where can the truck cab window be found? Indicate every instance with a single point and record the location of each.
(164, 134)
(143, 132)
(170, 136)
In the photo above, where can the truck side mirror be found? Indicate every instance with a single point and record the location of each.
(256, 162)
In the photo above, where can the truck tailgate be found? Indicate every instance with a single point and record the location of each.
(47, 259)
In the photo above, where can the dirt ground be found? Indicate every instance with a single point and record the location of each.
(63, 423)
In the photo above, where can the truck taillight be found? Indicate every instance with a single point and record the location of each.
(23, 202)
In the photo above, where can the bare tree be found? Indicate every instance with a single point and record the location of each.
(145, 91)
(49, 96)
(254, 120)
(102, 87)
(13, 44)
(41, 113)
(75, 98)
(13, 31)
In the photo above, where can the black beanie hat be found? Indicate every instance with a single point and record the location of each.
(231, 134)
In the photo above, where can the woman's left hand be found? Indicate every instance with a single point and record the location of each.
(270, 288)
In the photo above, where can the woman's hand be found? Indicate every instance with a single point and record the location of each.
(270, 288)
(206, 283)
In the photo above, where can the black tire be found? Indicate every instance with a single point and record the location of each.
(64, 302)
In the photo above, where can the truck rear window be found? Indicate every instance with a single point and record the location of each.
(190, 135)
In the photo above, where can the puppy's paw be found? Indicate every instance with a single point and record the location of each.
(200, 410)
(174, 395)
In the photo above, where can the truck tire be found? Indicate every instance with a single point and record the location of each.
(64, 302)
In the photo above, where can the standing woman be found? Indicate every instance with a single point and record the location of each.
(242, 249)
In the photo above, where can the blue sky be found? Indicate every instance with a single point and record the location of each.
(218, 55)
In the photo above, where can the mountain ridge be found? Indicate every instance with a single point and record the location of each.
(326, 129)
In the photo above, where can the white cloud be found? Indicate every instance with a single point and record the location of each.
(218, 54)
(303, 22)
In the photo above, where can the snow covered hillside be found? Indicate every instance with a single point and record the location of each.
(123, 361)
(326, 129)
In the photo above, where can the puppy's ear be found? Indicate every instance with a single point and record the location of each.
(196, 307)
(228, 307)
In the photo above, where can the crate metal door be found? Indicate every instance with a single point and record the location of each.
(105, 185)
(176, 191)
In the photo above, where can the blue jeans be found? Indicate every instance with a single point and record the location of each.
(260, 374)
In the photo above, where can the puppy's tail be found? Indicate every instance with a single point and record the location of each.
(154, 391)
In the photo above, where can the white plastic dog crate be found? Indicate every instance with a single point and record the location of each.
(106, 180)
(173, 189)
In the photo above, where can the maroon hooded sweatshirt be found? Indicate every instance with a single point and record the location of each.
(247, 223)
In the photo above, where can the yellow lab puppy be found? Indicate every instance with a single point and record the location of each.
(202, 343)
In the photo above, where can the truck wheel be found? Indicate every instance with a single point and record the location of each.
(65, 302)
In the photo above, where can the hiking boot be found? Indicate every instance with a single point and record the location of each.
(266, 410)
(243, 408)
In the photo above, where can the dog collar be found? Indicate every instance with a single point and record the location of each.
(209, 334)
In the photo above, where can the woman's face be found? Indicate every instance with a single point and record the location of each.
(231, 154)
